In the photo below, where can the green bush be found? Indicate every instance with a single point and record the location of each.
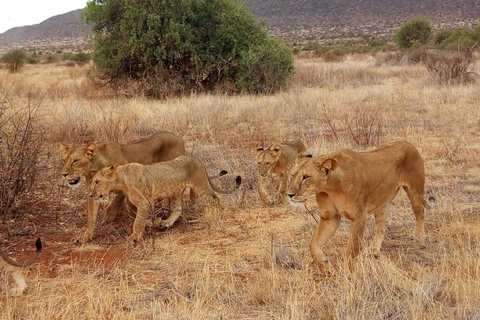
(32, 59)
(15, 60)
(185, 45)
(455, 39)
(414, 33)
(441, 36)
(80, 58)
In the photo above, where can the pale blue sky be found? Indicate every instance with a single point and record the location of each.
(17, 13)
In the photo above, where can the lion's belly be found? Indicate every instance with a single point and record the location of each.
(165, 191)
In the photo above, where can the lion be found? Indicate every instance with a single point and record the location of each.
(143, 184)
(85, 160)
(14, 268)
(277, 159)
(352, 184)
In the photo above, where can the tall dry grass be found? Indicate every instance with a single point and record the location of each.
(233, 267)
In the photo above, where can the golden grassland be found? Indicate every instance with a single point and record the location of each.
(252, 261)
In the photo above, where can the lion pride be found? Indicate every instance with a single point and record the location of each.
(351, 184)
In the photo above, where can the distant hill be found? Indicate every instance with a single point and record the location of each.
(295, 20)
(61, 31)
(321, 19)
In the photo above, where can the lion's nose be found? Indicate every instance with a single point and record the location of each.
(291, 195)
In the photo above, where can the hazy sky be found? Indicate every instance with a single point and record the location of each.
(17, 13)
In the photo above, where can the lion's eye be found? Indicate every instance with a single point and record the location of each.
(63, 160)
(267, 163)
(75, 161)
(97, 181)
(306, 177)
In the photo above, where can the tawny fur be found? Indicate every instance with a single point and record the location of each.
(352, 184)
(144, 184)
(15, 269)
(278, 159)
(85, 160)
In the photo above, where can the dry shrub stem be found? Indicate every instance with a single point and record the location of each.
(451, 67)
(21, 142)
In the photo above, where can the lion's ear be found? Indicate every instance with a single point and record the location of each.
(63, 148)
(329, 165)
(303, 155)
(112, 170)
(259, 149)
(90, 150)
(275, 151)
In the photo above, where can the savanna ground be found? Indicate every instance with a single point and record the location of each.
(252, 261)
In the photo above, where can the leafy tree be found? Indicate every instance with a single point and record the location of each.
(15, 59)
(414, 33)
(186, 45)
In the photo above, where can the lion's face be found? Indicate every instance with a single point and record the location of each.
(76, 161)
(103, 181)
(267, 159)
(309, 177)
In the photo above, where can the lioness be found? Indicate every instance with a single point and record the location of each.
(143, 184)
(85, 160)
(277, 159)
(348, 183)
(14, 268)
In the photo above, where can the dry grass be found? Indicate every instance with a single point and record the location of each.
(234, 267)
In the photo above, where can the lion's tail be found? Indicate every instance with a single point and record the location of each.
(38, 245)
(430, 203)
(238, 182)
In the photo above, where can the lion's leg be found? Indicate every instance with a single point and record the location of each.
(416, 199)
(262, 192)
(92, 213)
(20, 282)
(380, 218)
(325, 229)
(282, 193)
(114, 207)
(356, 233)
(143, 208)
(177, 204)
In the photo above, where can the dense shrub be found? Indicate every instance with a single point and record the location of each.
(185, 45)
(459, 38)
(80, 58)
(414, 33)
(15, 60)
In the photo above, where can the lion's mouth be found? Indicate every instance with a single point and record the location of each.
(73, 182)
(296, 202)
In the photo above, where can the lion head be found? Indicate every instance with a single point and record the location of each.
(268, 158)
(310, 177)
(77, 161)
(103, 181)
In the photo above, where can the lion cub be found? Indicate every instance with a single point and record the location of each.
(277, 159)
(14, 268)
(143, 184)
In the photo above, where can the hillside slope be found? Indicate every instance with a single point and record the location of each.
(291, 20)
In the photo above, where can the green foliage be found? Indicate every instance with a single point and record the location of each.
(414, 33)
(80, 58)
(32, 59)
(186, 45)
(15, 60)
(378, 43)
(459, 38)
